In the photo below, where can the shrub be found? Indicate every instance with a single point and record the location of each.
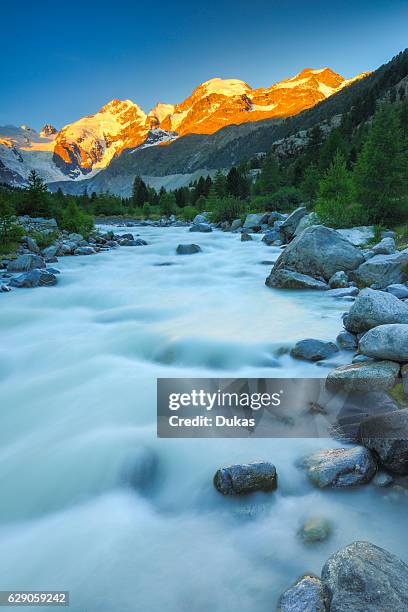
(10, 232)
(285, 199)
(188, 213)
(74, 219)
(228, 209)
(44, 240)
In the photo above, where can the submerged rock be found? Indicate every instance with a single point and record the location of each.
(315, 529)
(188, 249)
(288, 279)
(371, 376)
(372, 308)
(363, 577)
(24, 263)
(386, 342)
(341, 467)
(387, 435)
(306, 595)
(246, 478)
(313, 350)
(318, 252)
(245, 237)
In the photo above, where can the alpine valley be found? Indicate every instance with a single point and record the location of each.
(104, 151)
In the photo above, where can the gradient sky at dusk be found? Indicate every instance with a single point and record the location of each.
(61, 61)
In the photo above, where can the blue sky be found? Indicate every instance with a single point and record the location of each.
(60, 61)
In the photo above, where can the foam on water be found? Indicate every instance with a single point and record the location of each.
(92, 502)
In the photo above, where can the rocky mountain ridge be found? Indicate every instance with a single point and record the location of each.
(82, 148)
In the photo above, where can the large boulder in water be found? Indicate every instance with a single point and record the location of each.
(383, 270)
(188, 249)
(319, 252)
(363, 577)
(341, 467)
(34, 278)
(387, 435)
(254, 220)
(306, 595)
(246, 478)
(386, 342)
(373, 308)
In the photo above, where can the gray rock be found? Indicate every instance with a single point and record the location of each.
(373, 376)
(372, 308)
(34, 278)
(319, 252)
(85, 250)
(31, 244)
(359, 236)
(50, 252)
(24, 263)
(383, 270)
(245, 237)
(362, 359)
(347, 341)
(75, 237)
(400, 291)
(306, 595)
(363, 577)
(201, 227)
(66, 247)
(271, 237)
(236, 224)
(288, 227)
(201, 218)
(306, 221)
(253, 220)
(385, 247)
(313, 350)
(288, 279)
(276, 216)
(339, 280)
(127, 236)
(246, 478)
(386, 342)
(387, 435)
(188, 249)
(4, 288)
(388, 234)
(340, 467)
(343, 293)
(404, 376)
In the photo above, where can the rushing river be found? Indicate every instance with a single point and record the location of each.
(91, 501)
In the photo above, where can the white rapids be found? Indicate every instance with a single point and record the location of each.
(91, 501)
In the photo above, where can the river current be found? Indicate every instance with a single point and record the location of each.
(92, 502)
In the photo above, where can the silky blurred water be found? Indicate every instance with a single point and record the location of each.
(91, 501)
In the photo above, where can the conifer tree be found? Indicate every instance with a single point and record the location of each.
(270, 178)
(379, 171)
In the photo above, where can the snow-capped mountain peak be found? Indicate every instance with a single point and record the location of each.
(224, 87)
